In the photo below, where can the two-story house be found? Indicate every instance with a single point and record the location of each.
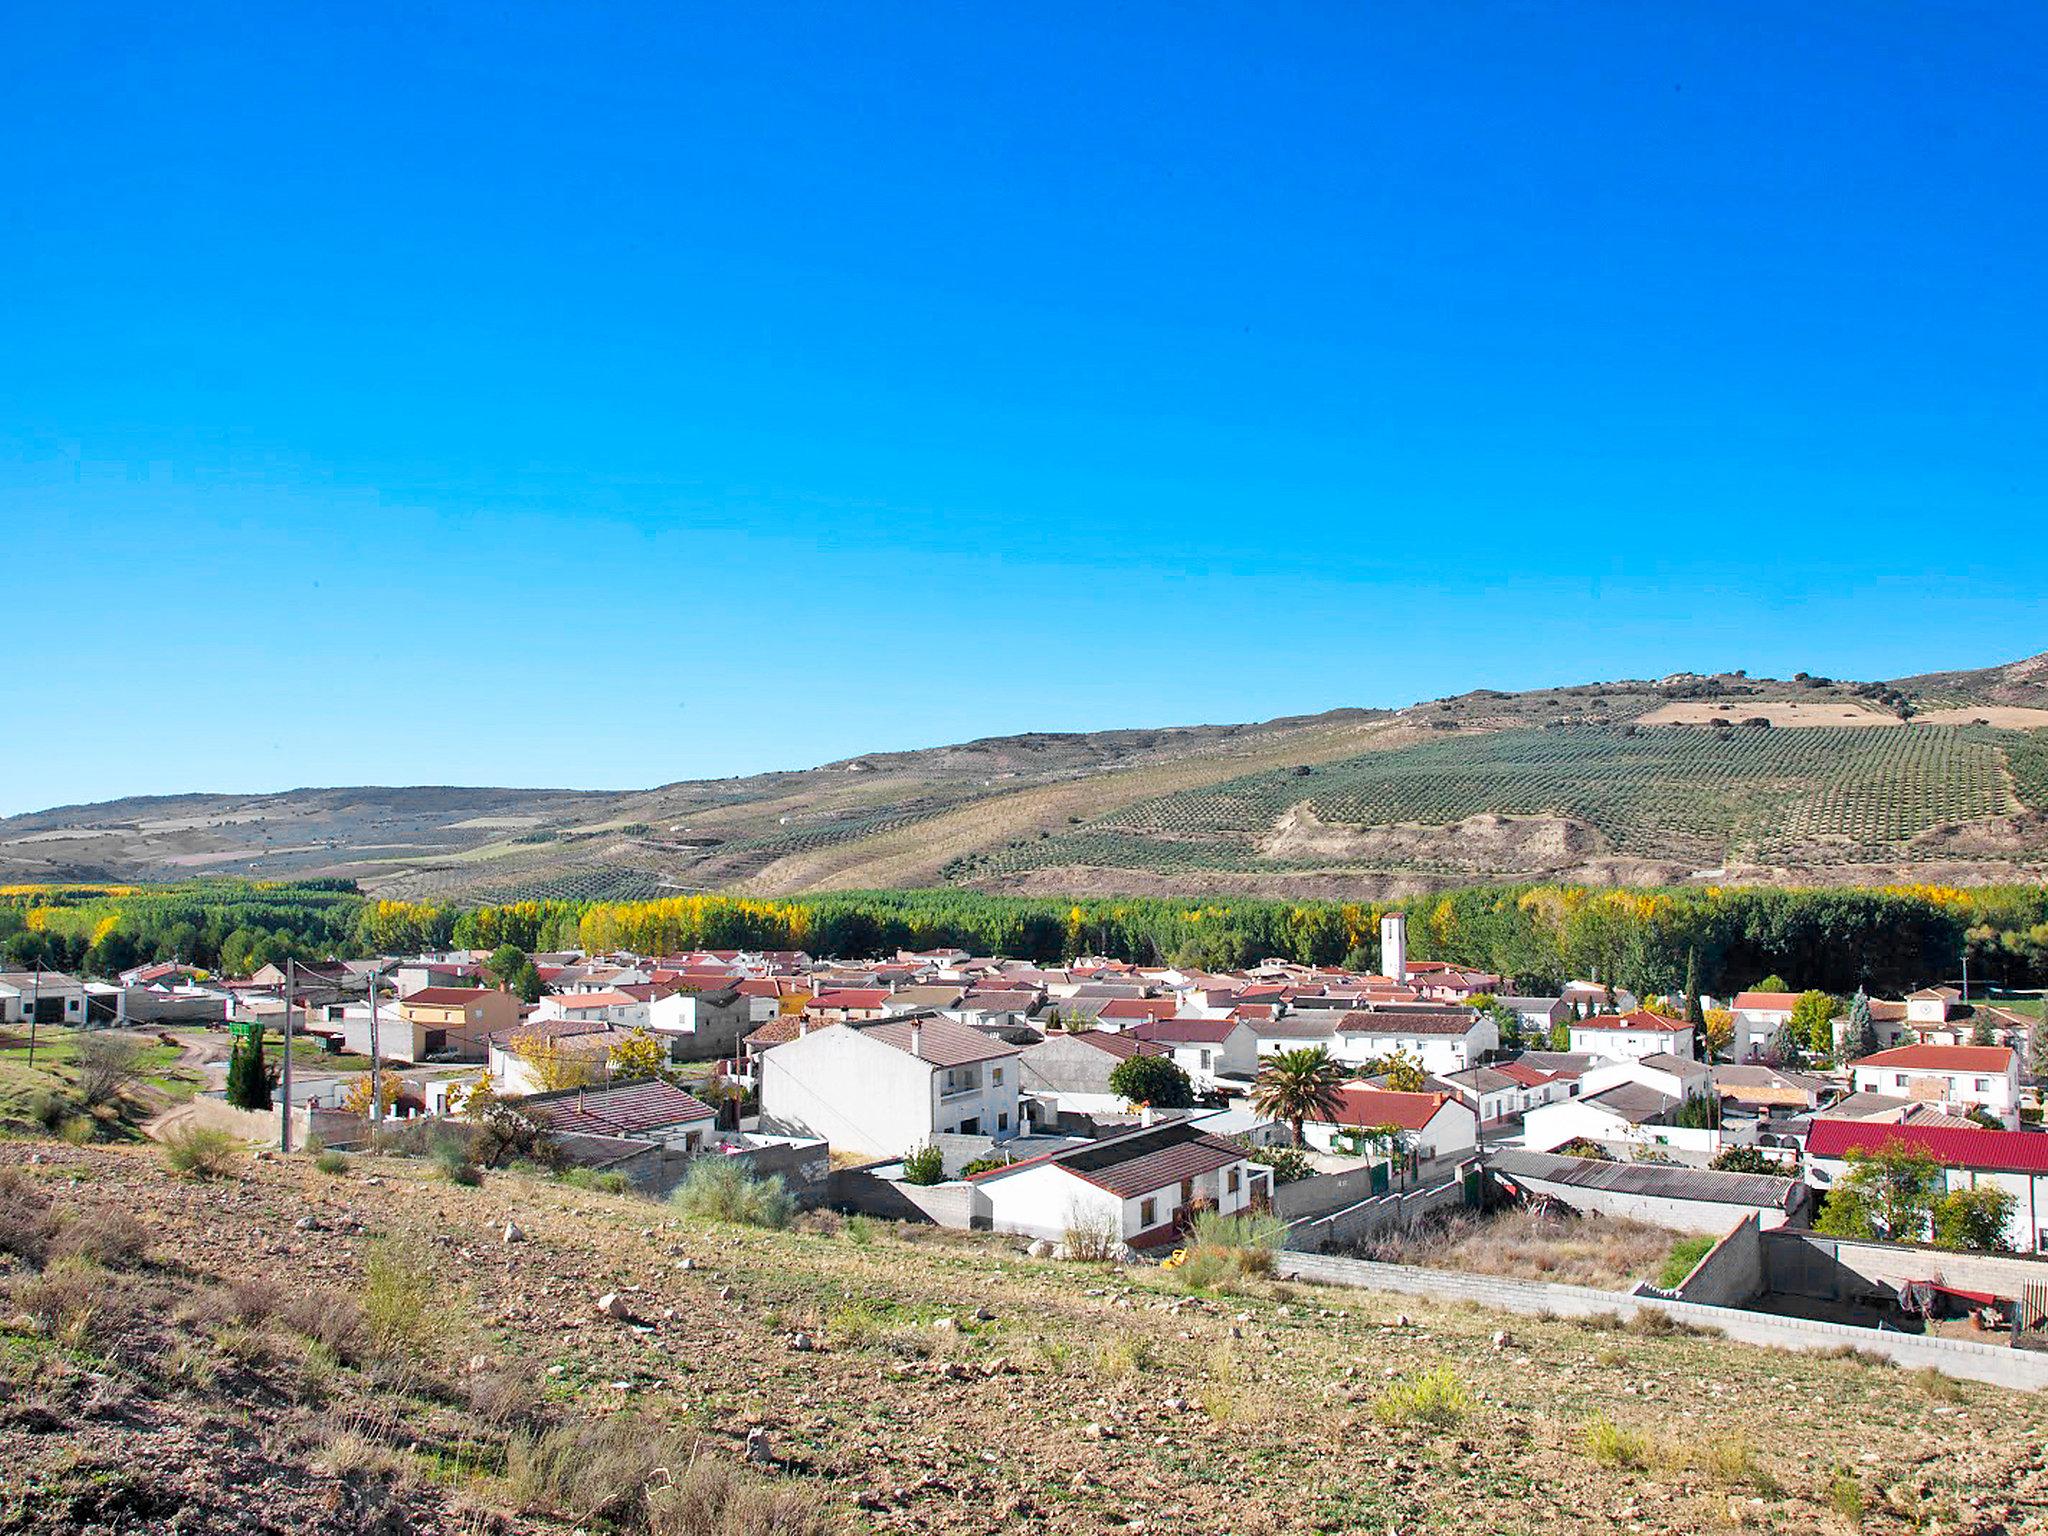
(1206, 1049)
(883, 1088)
(1618, 1037)
(448, 1022)
(1957, 1077)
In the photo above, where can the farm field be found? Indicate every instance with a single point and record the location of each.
(1942, 777)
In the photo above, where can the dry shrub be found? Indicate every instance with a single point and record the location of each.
(103, 1065)
(402, 1307)
(201, 1152)
(1626, 1450)
(1090, 1238)
(716, 1498)
(26, 1221)
(1602, 1252)
(1126, 1356)
(71, 1301)
(594, 1469)
(111, 1238)
(502, 1392)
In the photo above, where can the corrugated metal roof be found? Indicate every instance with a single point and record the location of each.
(1658, 1179)
(2016, 1151)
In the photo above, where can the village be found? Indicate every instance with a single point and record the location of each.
(1104, 1109)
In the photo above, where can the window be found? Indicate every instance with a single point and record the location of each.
(1983, 1085)
(1207, 1058)
(1003, 1120)
(1898, 1079)
(995, 1075)
(1236, 1179)
(1148, 1212)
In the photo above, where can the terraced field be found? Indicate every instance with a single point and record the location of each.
(1673, 793)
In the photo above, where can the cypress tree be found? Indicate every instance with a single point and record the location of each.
(248, 1085)
(1694, 1014)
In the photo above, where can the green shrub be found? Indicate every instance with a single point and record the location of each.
(1846, 1494)
(719, 1189)
(859, 1230)
(1682, 1260)
(331, 1162)
(1433, 1399)
(79, 1130)
(1289, 1164)
(1224, 1252)
(201, 1152)
(1626, 1450)
(401, 1302)
(923, 1165)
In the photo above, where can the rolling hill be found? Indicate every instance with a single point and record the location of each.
(1722, 777)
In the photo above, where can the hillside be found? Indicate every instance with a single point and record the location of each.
(1939, 777)
(293, 1350)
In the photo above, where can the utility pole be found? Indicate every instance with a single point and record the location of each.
(376, 1061)
(284, 1081)
(35, 1006)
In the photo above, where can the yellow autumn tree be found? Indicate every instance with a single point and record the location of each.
(638, 1057)
(552, 1067)
(357, 1100)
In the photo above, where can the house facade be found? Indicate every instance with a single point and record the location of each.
(884, 1088)
(1641, 1033)
(2014, 1161)
(1957, 1077)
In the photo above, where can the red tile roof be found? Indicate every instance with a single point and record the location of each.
(1528, 1077)
(1123, 1046)
(1139, 1008)
(1942, 1058)
(1187, 1031)
(1409, 1021)
(1767, 1002)
(852, 998)
(1641, 1019)
(578, 1001)
(2011, 1151)
(1366, 1107)
(445, 997)
(941, 1042)
(620, 1111)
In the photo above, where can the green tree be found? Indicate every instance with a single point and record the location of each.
(1561, 1035)
(924, 1165)
(248, 1084)
(1862, 1028)
(1888, 1194)
(1975, 1219)
(1981, 1030)
(1155, 1080)
(503, 966)
(1813, 1023)
(1699, 1112)
(1298, 1086)
(526, 982)
(1403, 1073)
(1744, 1160)
(1772, 983)
(1694, 1014)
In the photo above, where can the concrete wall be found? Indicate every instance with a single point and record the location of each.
(954, 1204)
(1732, 1273)
(1382, 1212)
(1807, 1264)
(1709, 1216)
(1323, 1194)
(2025, 1370)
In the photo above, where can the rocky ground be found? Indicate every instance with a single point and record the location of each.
(287, 1349)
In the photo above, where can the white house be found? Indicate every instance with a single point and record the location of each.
(611, 1007)
(1641, 1033)
(1137, 1188)
(2015, 1161)
(1435, 1124)
(1958, 1077)
(1630, 1115)
(1440, 1040)
(702, 1024)
(1206, 1049)
(1757, 1017)
(1676, 1077)
(52, 996)
(883, 1088)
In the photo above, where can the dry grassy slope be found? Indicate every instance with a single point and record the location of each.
(1234, 1414)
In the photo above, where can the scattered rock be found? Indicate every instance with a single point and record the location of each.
(512, 1233)
(613, 1305)
(801, 1342)
(758, 1449)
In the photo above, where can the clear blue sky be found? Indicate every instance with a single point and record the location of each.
(503, 394)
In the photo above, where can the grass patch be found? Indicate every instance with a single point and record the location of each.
(1682, 1260)
(1121, 1358)
(719, 1189)
(1607, 1254)
(1626, 1450)
(1433, 1399)
(1226, 1252)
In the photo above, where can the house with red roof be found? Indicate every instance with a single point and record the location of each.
(2015, 1161)
(1137, 1190)
(1431, 1124)
(1958, 1078)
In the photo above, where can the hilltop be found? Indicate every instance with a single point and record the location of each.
(1694, 776)
(297, 1350)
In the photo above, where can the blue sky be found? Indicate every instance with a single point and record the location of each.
(526, 395)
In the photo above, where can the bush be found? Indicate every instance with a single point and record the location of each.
(79, 1130)
(1156, 1080)
(1288, 1163)
(924, 1165)
(1434, 1399)
(1745, 1160)
(103, 1065)
(1089, 1238)
(111, 1238)
(592, 1470)
(715, 1498)
(201, 1152)
(1626, 1450)
(450, 1153)
(400, 1301)
(597, 1183)
(331, 1162)
(719, 1189)
(1226, 1251)
(1683, 1258)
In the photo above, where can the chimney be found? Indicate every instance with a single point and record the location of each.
(1145, 1115)
(1394, 946)
(916, 1039)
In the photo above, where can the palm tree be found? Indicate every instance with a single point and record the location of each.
(1299, 1085)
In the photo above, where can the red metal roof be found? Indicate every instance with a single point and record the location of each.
(2011, 1151)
